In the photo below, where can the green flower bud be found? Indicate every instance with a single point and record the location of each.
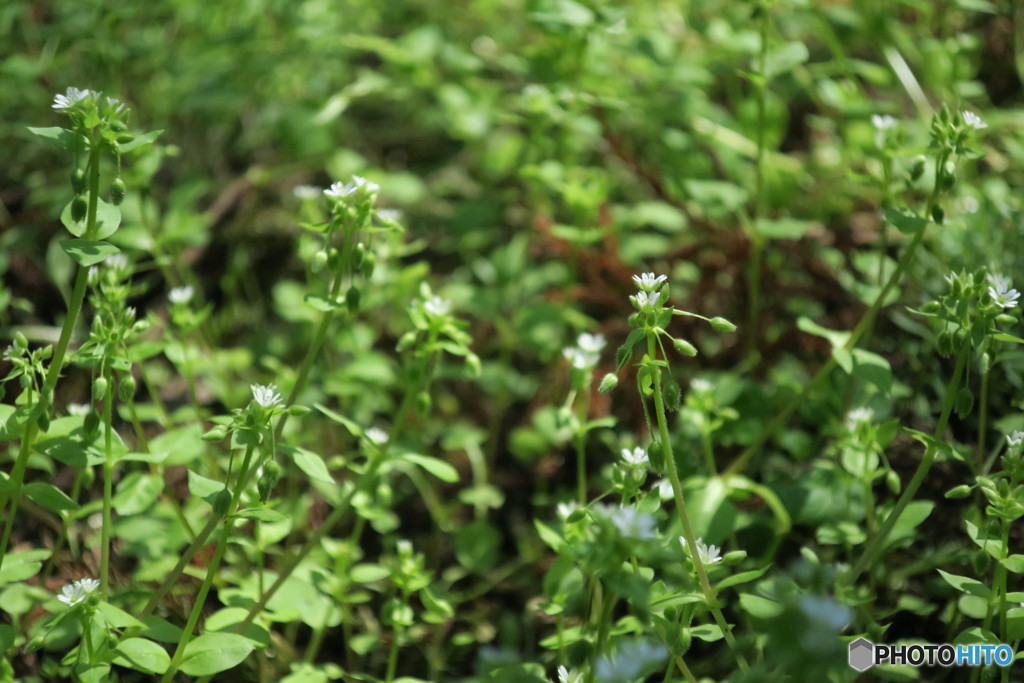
(124, 138)
(216, 434)
(91, 424)
(720, 324)
(118, 126)
(268, 479)
(473, 363)
(21, 341)
(672, 394)
(127, 388)
(964, 402)
(984, 363)
(99, 388)
(917, 170)
(79, 207)
(43, 421)
(684, 347)
(423, 403)
(352, 297)
(608, 382)
(117, 191)
(938, 214)
(957, 492)
(298, 411)
(1005, 319)
(221, 501)
(358, 255)
(892, 480)
(369, 262)
(78, 180)
(319, 261)
(931, 307)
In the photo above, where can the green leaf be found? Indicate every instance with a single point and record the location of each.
(993, 546)
(368, 573)
(761, 608)
(108, 219)
(139, 141)
(1015, 563)
(49, 496)
(967, 585)
(782, 228)
(707, 632)
(975, 635)
(117, 617)
(476, 546)
(353, 428)
(836, 339)
(325, 305)
(142, 655)
(784, 58)
(137, 492)
(434, 466)
(549, 535)
(265, 515)
(913, 515)
(201, 487)
(905, 222)
(88, 252)
(20, 566)
(1002, 336)
(212, 653)
(311, 463)
(742, 577)
(53, 134)
(625, 351)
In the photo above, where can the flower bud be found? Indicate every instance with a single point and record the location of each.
(90, 425)
(124, 138)
(720, 324)
(892, 480)
(964, 402)
(1005, 319)
(672, 394)
(931, 307)
(684, 347)
(79, 207)
(319, 261)
(358, 255)
(127, 388)
(957, 492)
(78, 180)
(221, 501)
(99, 388)
(352, 297)
(21, 341)
(298, 411)
(216, 434)
(608, 382)
(117, 191)
(917, 170)
(369, 261)
(268, 479)
(938, 214)
(423, 403)
(984, 363)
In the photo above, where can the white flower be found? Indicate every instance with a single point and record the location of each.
(377, 435)
(883, 122)
(631, 661)
(307, 191)
(708, 554)
(437, 306)
(77, 592)
(390, 215)
(566, 509)
(1000, 291)
(404, 547)
(580, 359)
(72, 97)
(647, 300)
(664, 487)
(638, 456)
(569, 675)
(591, 343)
(1015, 439)
(265, 394)
(700, 385)
(78, 409)
(180, 295)
(858, 416)
(630, 522)
(116, 104)
(972, 120)
(649, 281)
(340, 190)
(117, 262)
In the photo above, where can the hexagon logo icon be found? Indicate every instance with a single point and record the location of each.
(862, 654)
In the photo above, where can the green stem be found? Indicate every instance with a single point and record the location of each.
(395, 646)
(53, 372)
(582, 408)
(204, 590)
(684, 518)
(979, 456)
(874, 547)
(108, 477)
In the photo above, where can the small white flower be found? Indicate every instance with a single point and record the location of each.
(883, 122)
(647, 300)
(972, 120)
(859, 416)
(664, 487)
(404, 547)
(649, 281)
(390, 215)
(72, 97)
(265, 394)
(377, 435)
(117, 262)
(339, 190)
(591, 343)
(700, 385)
(637, 457)
(180, 295)
(77, 592)
(1000, 291)
(566, 509)
(632, 660)
(630, 522)
(708, 554)
(580, 359)
(364, 184)
(569, 675)
(78, 409)
(437, 306)
(1015, 439)
(306, 192)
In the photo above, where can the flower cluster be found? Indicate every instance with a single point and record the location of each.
(340, 190)
(587, 352)
(630, 522)
(265, 395)
(75, 593)
(708, 554)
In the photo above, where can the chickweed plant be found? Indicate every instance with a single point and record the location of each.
(419, 364)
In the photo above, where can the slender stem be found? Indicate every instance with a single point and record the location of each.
(876, 544)
(53, 372)
(222, 544)
(979, 455)
(108, 476)
(684, 518)
(582, 408)
(396, 638)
